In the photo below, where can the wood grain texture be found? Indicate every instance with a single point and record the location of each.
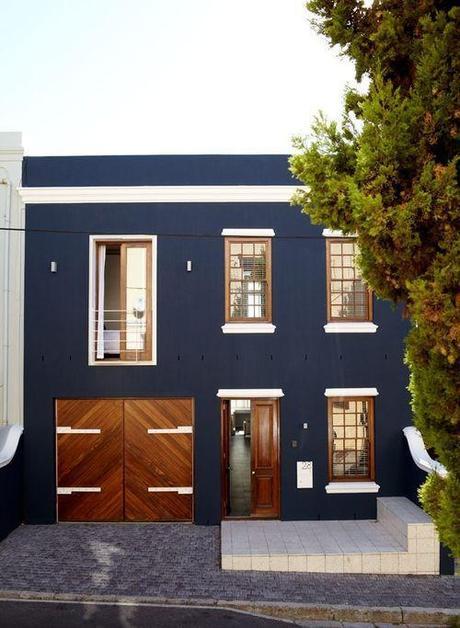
(90, 460)
(225, 457)
(157, 460)
(265, 458)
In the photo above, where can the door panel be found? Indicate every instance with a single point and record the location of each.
(90, 463)
(265, 458)
(158, 465)
(225, 434)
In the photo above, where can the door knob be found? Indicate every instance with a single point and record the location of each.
(253, 472)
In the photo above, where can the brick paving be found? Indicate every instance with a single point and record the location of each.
(182, 561)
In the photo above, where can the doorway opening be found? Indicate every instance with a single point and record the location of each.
(250, 458)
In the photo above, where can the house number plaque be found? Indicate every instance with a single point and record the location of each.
(304, 474)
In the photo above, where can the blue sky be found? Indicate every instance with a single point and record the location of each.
(164, 76)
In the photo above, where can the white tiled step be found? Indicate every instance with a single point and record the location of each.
(336, 546)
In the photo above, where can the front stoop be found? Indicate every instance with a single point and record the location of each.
(403, 540)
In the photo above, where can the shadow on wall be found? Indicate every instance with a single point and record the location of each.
(11, 489)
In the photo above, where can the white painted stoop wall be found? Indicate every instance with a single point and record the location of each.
(403, 540)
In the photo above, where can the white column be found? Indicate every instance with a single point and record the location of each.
(11, 280)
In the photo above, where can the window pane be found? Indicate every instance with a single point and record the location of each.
(136, 298)
(345, 279)
(350, 433)
(247, 265)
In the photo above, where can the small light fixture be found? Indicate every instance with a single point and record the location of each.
(53, 267)
(189, 265)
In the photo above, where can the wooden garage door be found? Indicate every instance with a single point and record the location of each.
(90, 459)
(124, 459)
(158, 459)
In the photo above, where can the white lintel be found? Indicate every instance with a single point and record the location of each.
(253, 233)
(250, 393)
(351, 392)
(336, 233)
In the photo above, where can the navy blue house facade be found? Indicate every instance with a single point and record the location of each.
(190, 207)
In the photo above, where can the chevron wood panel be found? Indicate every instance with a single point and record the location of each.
(157, 460)
(90, 460)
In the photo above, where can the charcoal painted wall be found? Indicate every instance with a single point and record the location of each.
(194, 357)
(11, 493)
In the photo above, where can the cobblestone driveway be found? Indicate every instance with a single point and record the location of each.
(182, 561)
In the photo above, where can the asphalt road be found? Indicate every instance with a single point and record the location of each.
(23, 614)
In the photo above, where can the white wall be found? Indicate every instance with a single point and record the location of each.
(11, 280)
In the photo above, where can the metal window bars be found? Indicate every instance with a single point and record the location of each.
(124, 335)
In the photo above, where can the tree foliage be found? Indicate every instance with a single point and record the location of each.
(389, 172)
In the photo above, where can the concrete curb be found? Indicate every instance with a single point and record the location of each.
(282, 610)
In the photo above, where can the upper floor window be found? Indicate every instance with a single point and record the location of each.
(248, 280)
(348, 297)
(351, 438)
(121, 300)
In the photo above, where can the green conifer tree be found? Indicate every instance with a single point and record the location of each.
(389, 172)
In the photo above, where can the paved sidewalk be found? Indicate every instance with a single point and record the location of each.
(182, 561)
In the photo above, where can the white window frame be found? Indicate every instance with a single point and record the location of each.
(93, 241)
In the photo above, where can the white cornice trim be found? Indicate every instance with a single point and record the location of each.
(254, 233)
(160, 194)
(248, 328)
(336, 233)
(352, 487)
(351, 392)
(350, 328)
(249, 393)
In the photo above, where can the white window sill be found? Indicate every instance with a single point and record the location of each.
(351, 392)
(248, 328)
(352, 487)
(121, 363)
(350, 328)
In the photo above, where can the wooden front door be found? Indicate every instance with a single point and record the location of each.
(265, 458)
(158, 459)
(89, 436)
(225, 472)
(126, 460)
(264, 468)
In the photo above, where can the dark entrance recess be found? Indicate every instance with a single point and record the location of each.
(250, 458)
